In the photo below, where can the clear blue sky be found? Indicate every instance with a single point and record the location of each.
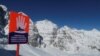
(81, 14)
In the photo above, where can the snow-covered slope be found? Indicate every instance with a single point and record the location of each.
(66, 41)
(27, 50)
(73, 40)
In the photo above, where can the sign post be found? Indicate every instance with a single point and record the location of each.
(18, 29)
(17, 49)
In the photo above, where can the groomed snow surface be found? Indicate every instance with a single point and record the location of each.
(27, 50)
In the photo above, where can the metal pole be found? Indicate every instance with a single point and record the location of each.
(17, 49)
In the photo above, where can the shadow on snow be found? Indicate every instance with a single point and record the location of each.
(4, 52)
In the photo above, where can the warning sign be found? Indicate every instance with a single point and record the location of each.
(18, 28)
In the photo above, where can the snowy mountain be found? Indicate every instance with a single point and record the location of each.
(69, 39)
(3, 22)
(46, 29)
(62, 42)
(73, 40)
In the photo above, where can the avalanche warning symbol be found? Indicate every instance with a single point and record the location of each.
(18, 28)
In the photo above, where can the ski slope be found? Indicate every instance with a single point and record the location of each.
(27, 50)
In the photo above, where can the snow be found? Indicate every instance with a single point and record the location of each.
(27, 50)
(45, 28)
(67, 41)
(4, 7)
(74, 41)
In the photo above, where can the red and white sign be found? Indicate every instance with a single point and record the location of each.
(18, 28)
